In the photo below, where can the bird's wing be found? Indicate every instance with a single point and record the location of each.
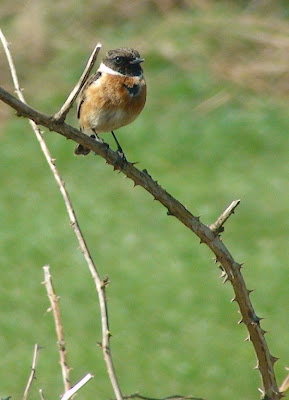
(92, 79)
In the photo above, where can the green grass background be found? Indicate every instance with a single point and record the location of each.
(215, 129)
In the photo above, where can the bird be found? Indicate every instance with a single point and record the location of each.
(112, 97)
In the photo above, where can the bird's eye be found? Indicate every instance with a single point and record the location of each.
(118, 60)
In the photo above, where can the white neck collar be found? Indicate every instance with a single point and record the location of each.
(104, 68)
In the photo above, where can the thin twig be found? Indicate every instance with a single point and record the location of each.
(76, 387)
(41, 394)
(217, 227)
(33, 372)
(61, 114)
(54, 302)
(100, 286)
(212, 102)
(285, 384)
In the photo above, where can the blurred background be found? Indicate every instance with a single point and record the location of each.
(215, 129)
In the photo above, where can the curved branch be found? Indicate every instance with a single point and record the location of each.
(231, 268)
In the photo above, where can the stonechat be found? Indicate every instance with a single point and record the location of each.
(112, 97)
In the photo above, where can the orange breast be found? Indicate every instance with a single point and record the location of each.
(111, 102)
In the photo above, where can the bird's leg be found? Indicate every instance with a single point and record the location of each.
(119, 148)
(96, 137)
(99, 139)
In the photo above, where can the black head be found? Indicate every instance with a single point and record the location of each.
(125, 61)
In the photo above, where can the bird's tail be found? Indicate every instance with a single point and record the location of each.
(81, 150)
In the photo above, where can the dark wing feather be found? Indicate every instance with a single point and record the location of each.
(90, 80)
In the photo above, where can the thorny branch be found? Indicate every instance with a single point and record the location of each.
(231, 268)
(54, 303)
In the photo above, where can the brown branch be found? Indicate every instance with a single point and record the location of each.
(61, 114)
(33, 372)
(231, 267)
(71, 392)
(218, 226)
(54, 303)
(99, 283)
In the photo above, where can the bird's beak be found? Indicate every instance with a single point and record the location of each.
(137, 61)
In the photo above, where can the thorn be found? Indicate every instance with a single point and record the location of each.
(241, 321)
(233, 299)
(263, 332)
(256, 319)
(249, 291)
(238, 266)
(105, 282)
(225, 280)
(274, 359)
(261, 391)
(223, 274)
(99, 344)
(133, 163)
(145, 171)
(169, 213)
(248, 338)
(201, 241)
(257, 367)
